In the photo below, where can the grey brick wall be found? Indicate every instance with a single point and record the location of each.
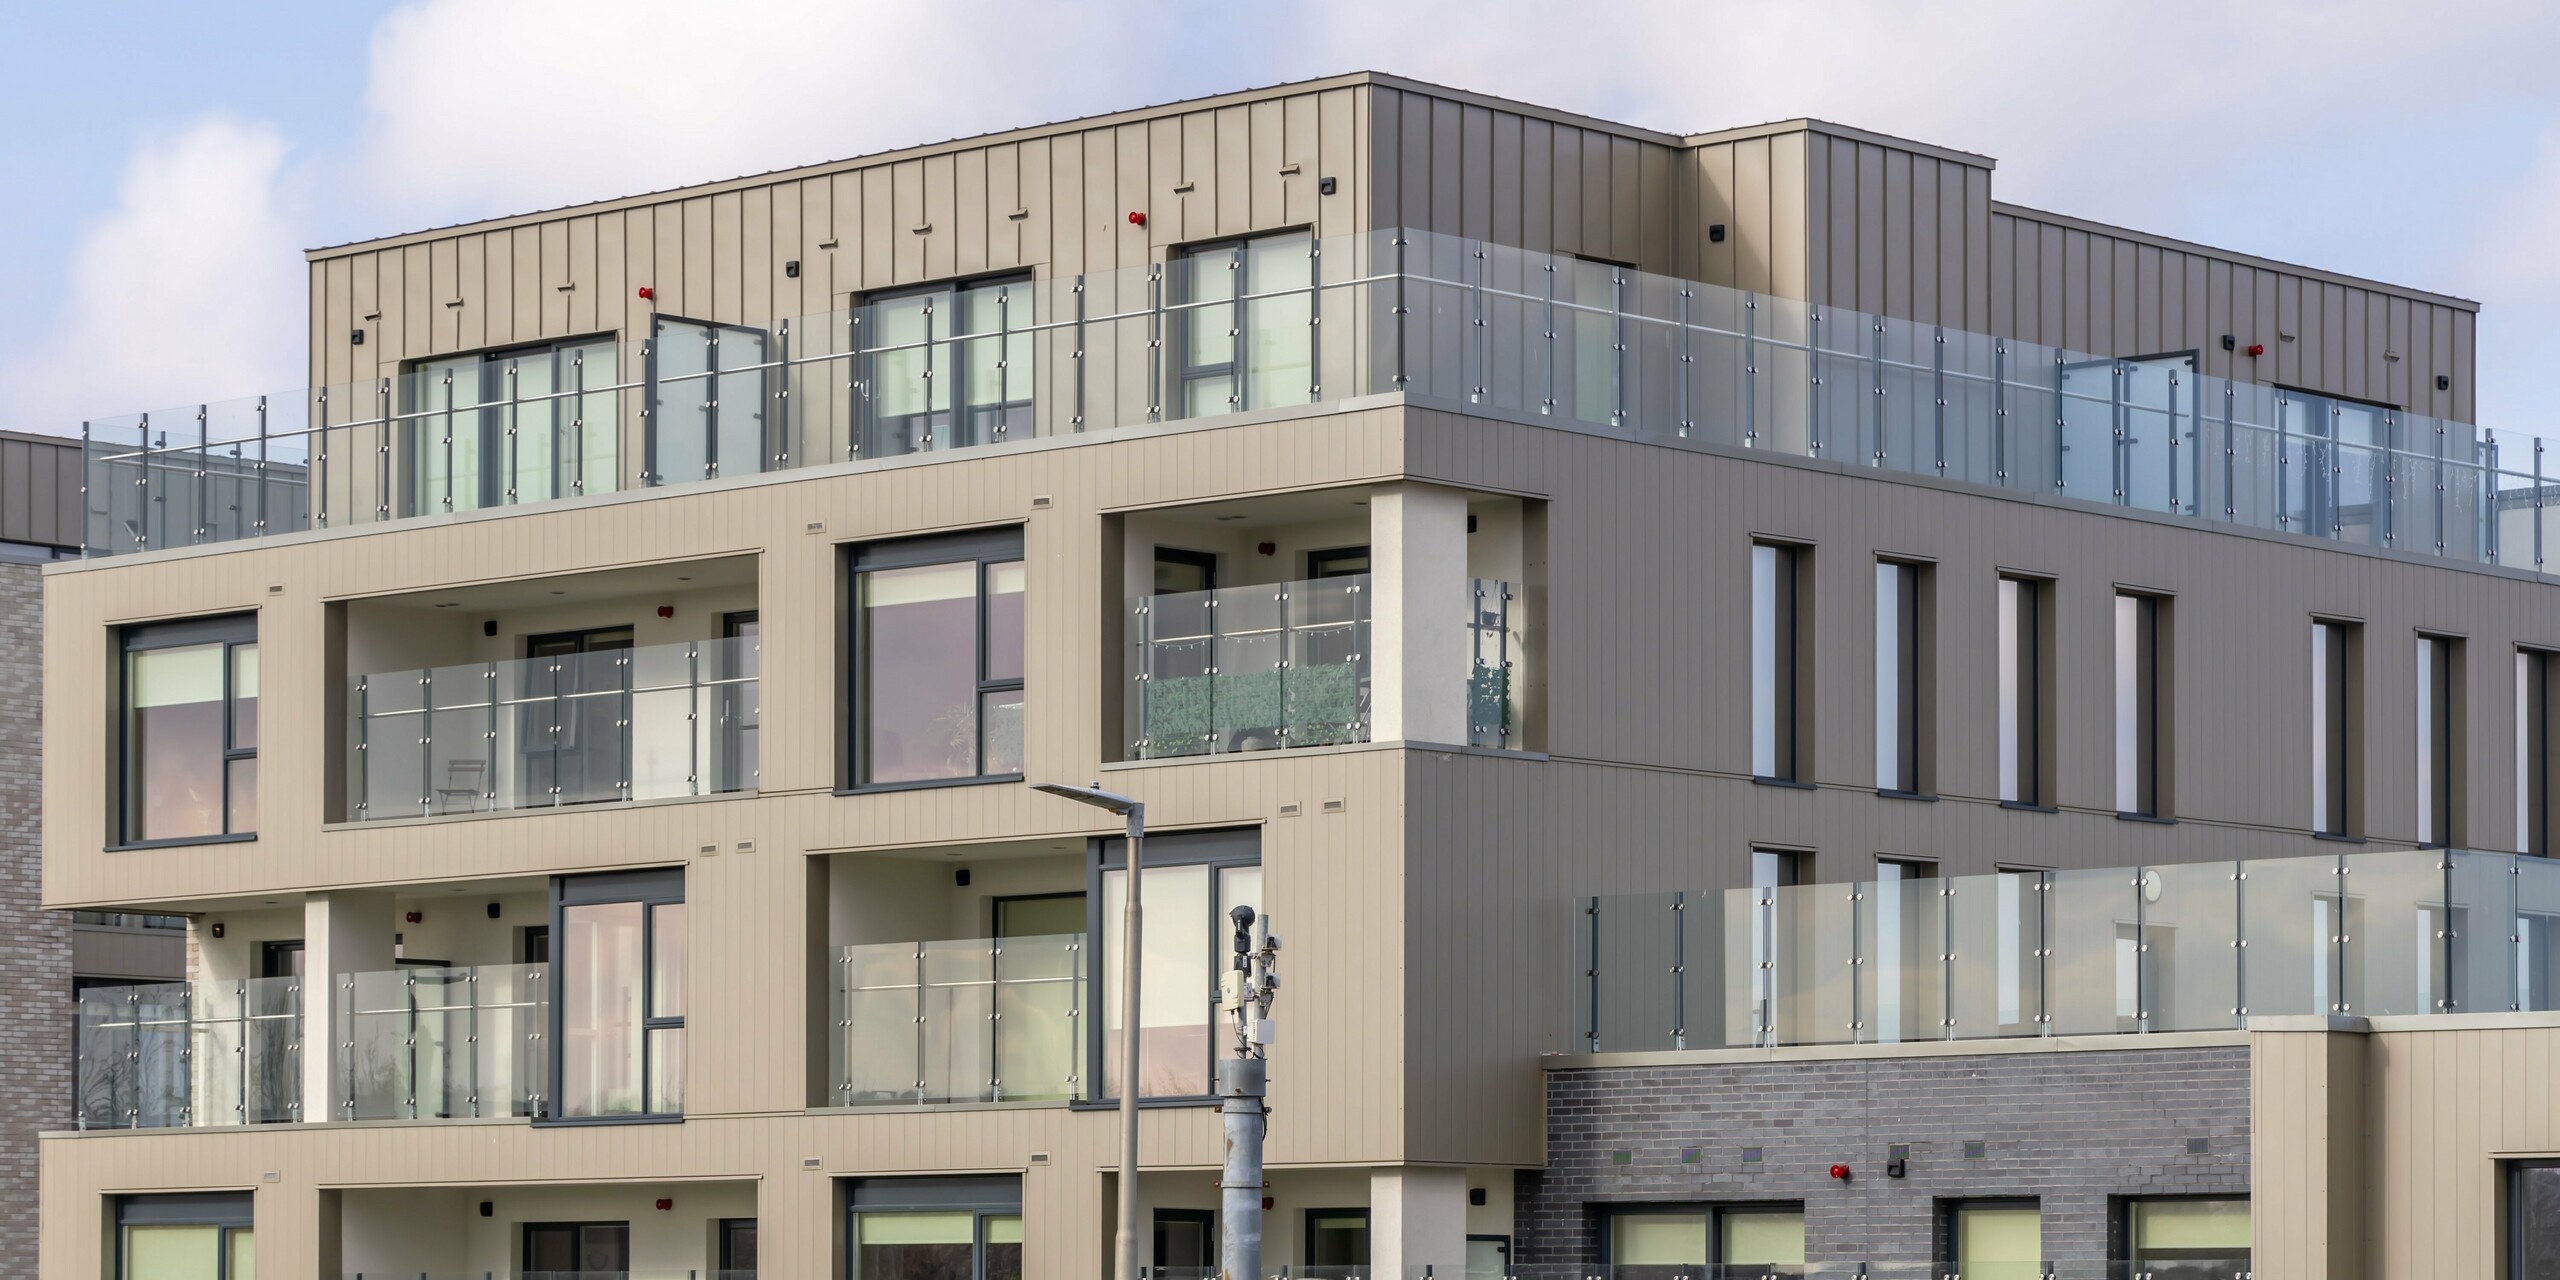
(35, 946)
(2076, 1131)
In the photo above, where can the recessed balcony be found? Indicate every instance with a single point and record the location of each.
(619, 687)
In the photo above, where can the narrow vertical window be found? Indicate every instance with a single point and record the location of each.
(1899, 677)
(618, 1015)
(2438, 711)
(2141, 745)
(2332, 733)
(2533, 753)
(2022, 695)
(1775, 583)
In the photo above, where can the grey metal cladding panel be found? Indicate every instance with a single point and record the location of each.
(1646, 638)
(40, 490)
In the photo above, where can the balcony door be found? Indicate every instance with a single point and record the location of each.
(576, 1248)
(949, 366)
(521, 424)
(570, 742)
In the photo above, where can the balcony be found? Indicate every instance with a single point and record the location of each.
(531, 1230)
(176, 1055)
(2125, 951)
(609, 688)
(968, 1020)
(442, 1043)
(1448, 322)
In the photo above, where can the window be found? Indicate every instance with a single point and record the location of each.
(574, 1247)
(1245, 325)
(1337, 1237)
(190, 728)
(738, 702)
(186, 1237)
(1902, 673)
(2142, 743)
(1905, 942)
(937, 659)
(1180, 572)
(956, 369)
(2025, 691)
(2533, 753)
(524, 424)
(737, 1248)
(1191, 882)
(936, 1228)
(1996, 1240)
(1337, 562)
(619, 1003)
(1747, 1242)
(2439, 746)
(2190, 1239)
(1778, 582)
(1186, 1240)
(2334, 739)
(570, 744)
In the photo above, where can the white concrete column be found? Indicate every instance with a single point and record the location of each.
(1417, 616)
(1417, 1218)
(342, 933)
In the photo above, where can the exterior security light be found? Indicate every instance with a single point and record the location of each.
(1125, 1258)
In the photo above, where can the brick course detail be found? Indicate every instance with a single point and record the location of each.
(35, 945)
(2076, 1131)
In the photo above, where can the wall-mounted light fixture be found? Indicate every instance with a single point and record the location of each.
(1715, 233)
(791, 269)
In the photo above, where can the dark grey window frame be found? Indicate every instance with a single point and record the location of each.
(2038, 726)
(725, 1232)
(1184, 373)
(948, 340)
(1205, 561)
(1715, 1211)
(1949, 1242)
(982, 548)
(1307, 1228)
(490, 427)
(525, 1230)
(765, 427)
(1791, 582)
(2120, 1215)
(229, 1210)
(653, 888)
(1207, 1218)
(1322, 564)
(982, 1197)
(232, 630)
(1220, 850)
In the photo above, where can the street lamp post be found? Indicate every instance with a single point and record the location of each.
(1127, 1266)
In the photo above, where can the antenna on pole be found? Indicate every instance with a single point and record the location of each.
(1245, 993)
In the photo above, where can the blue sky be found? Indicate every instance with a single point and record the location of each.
(206, 144)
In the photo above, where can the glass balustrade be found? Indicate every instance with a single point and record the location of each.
(610, 726)
(1282, 664)
(969, 1020)
(2196, 946)
(188, 1054)
(1446, 321)
(442, 1044)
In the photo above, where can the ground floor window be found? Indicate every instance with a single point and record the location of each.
(2533, 1220)
(1996, 1239)
(570, 1248)
(1337, 1237)
(936, 1229)
(186, 1237)
(1673, 1242)
(737, 1248)
(2189, 1238)
(1186, 1239)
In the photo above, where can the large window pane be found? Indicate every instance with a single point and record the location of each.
(920, 679)
(1004, 1248)
(1277, 336)
(1762, 1242)
(914, 1246)
(2190, 1239)
(1174, 983)
(599, 985)
(666, 960)
(1999, 1242)
(1773, 661)
(1004, 620)
(1643, 1246)
(174, 742)
(173, 1253)
(244, 698)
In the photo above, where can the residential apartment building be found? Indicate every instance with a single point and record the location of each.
(1729, 657)
(45, 956)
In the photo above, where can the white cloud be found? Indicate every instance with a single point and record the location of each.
(484, 107)
(2368, 135)
(190, 286)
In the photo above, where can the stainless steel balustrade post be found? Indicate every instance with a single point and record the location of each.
(2119, 457)
(1315, 320)
(260, 524)
(1875, 378)
(1813, 381)
(142, 478)
(949, 426)
(1617, 348)
(204, 459)
(2284, 461)
(1403, 375)
(1591, 972)
(1237, 288)
(857, 389)
(513, 435)
(1479, 336)
(2440, 487)
(578, 422)
(319, 460)
(778, 447)
(2537, 504)
(448, 439)
(1077, 421)
(693, 718)
(2000, 410)
(1687, 363)
(1750, 369)
(2061, 435)
(1938, 394)
(2230, 452)
(2338, 472)
(1155, 342)
(1547, 336)
(1679, 970)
